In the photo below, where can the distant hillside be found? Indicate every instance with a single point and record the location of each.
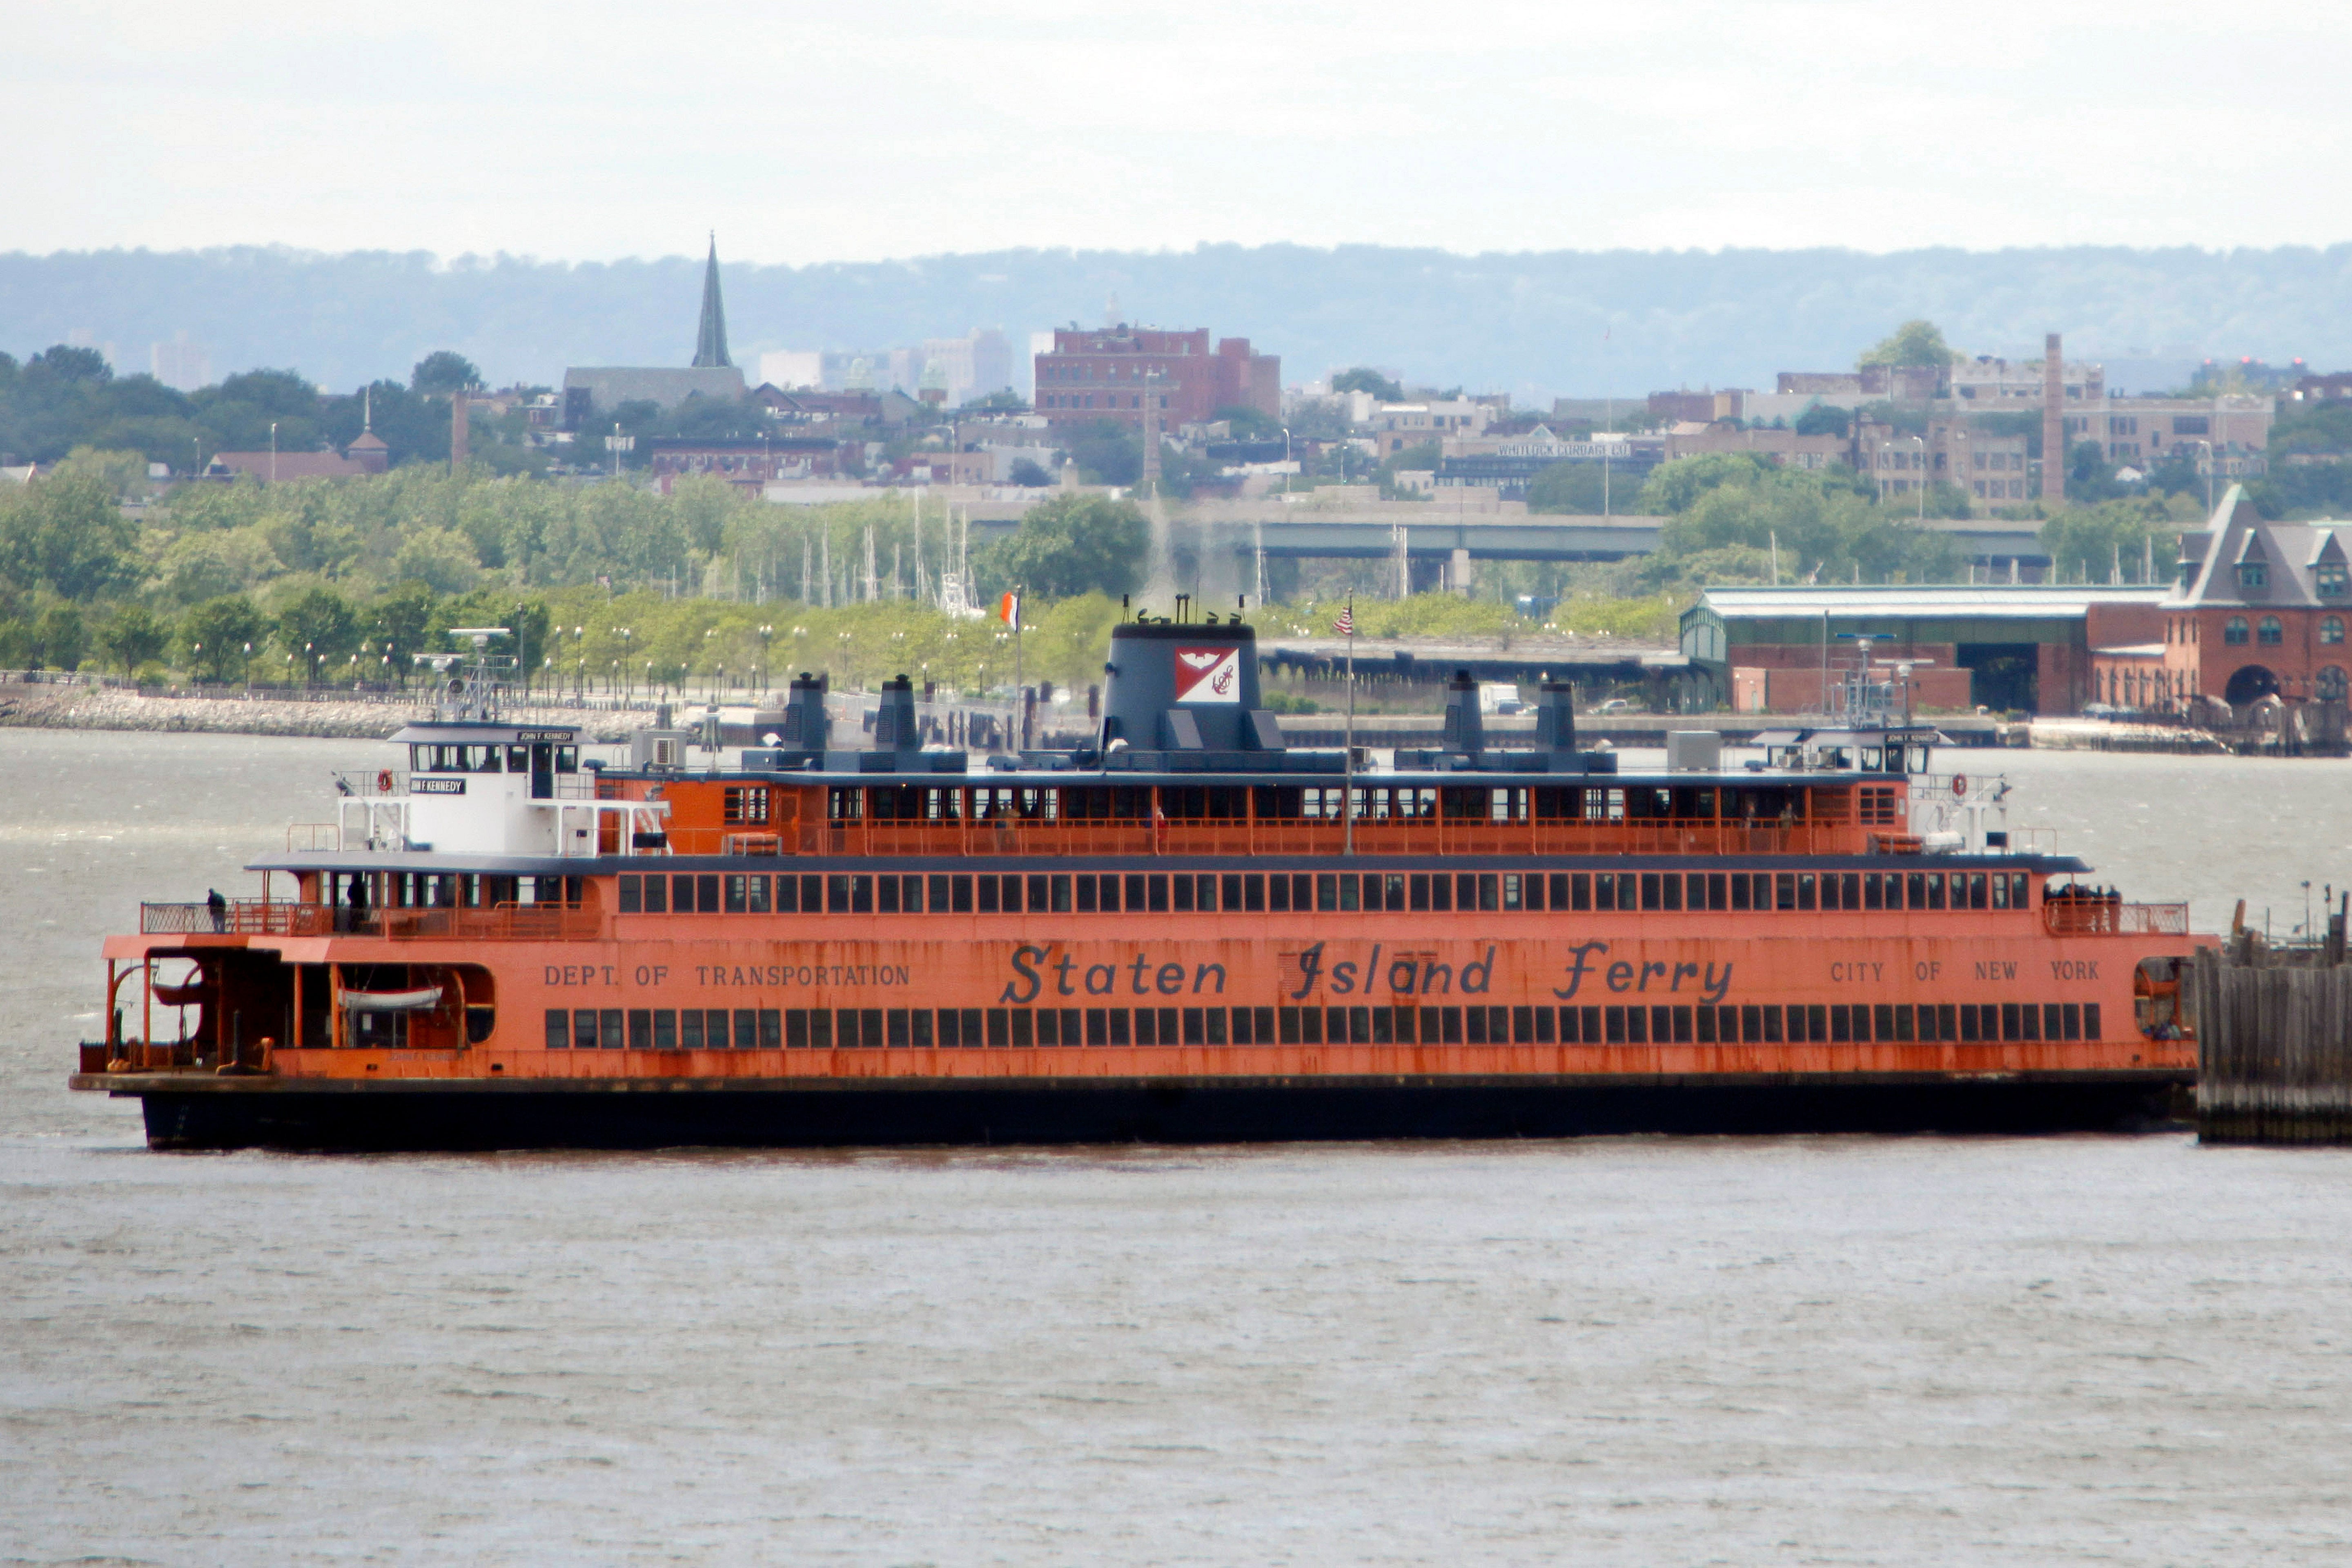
(1534, 324)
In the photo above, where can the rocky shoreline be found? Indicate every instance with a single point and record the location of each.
(63, 707)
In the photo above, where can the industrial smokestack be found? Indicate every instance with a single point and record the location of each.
(2053, 420)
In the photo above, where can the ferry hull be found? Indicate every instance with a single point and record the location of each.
(231, 1113)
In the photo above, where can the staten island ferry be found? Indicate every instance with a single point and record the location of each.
(1182, 930)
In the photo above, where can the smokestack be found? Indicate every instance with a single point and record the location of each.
(2053, 421)
(458, 444)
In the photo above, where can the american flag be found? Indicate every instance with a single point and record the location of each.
(1346, 625)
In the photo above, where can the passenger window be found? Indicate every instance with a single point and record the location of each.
(632, 896)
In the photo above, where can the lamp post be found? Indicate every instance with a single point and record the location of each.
(848, 669)
(766, 635)
(1286, 459)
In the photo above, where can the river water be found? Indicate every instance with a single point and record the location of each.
(1619, 1350)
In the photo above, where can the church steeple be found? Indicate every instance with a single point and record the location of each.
(711, 342)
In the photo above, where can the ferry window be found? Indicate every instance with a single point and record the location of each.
(558, 1029)
(1512, 898)
(1716, 890)
(608, 1028)
(837, 893)
(1785, 892)
(959, 895)
(759, 905)
(689, 1033)
(1231, 890)
(1419, 885)
(738, 896)
(1805, 889)
(706, 893)
(1038, 895)
(1024, 1027)
(1154, 888)
(1673, 889)
(1936, 891)
(939, 895)
(681, 894)
(567, 759)
(985, 895)
(1871, 896)
(1011, 895)
(2090, 1020)
(2020, 890)
(1278, 889)
(2070, 1020)
(1061, 895)
(1850, 891)
(518, 759)
(1349, 891)
(1487, 889)
(1649, 889)
(1604, 890)
(1327, 891)
(665, 1029)
(747, 1028)
(886, 896)
(2000, 889)
(1085, 895)
(632, 897)
(1969, 1023)
(583, 1030)
(1181, 892)
(1976, 894)
(820, 1028)
(1740, 891)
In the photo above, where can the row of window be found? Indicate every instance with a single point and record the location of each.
(923, 1028)
(1410, 893)
(1754, 806)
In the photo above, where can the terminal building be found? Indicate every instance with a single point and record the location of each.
(2260, 611)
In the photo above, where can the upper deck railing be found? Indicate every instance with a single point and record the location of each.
(2104, 917)
(252, 917)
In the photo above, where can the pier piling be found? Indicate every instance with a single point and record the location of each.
(2275, 1032)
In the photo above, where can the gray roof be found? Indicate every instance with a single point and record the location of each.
(613, 386)
(2237, 534)
(1944, 602)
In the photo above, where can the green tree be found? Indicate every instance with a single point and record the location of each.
(134, 635)
(1364, 378)
(1675, 488)
(66, 535)
(1249, 424)
(60, 638)
(1029, 475)
(1108, 453)
(1576, 488)
(1825, 420)
(215, 634)
(316, 626)
(1912, 343)
(1073, 544)
(2095, 542)
(399, 625)
(443, 371)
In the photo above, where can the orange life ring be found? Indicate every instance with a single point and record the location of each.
(1959, 784)
(383, 780)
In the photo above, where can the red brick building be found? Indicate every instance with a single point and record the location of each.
(1097, 375)
(747, 465)
(2261, 610)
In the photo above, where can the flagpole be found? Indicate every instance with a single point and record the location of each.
(1020, 701)
(1347, 795)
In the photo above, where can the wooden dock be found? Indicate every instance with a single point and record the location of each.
(2275, 1041)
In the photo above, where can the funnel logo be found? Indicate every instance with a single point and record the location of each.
(1209, 674)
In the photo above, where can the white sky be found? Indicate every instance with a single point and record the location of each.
(814, 132)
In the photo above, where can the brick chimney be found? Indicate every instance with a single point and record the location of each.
(2053, 420)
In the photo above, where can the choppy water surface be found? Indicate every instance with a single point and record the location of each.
(1634, 1351)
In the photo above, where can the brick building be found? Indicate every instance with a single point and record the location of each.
(2260, 611)
(749, 466)
(1095, 375)
(1990, 469)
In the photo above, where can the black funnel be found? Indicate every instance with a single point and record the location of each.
(895, 728)
(1555, 718)
(805, 727)
(1179, 688)
(1464, 730)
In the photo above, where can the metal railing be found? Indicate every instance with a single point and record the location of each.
(251, 917)
(236, 916)
(2100, 916)
(506, 922)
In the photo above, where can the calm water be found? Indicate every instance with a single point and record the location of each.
(1626, 1350)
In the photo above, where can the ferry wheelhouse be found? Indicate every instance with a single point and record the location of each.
(1184, 929)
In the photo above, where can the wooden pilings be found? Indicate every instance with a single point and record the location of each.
(2274, 1043)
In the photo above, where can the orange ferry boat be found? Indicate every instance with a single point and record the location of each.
(1184, 931)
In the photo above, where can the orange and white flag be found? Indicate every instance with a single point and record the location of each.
(1009, 611)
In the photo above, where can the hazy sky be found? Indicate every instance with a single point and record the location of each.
(849, 131)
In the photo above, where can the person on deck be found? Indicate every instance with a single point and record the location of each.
(217, 907)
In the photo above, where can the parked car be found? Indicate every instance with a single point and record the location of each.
(1614, 705)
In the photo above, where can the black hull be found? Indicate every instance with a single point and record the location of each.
(653, 1115)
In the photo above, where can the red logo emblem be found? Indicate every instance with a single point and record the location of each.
(1209, 674)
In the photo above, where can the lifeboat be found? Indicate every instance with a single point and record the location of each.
(190, 992)
(418, 1001)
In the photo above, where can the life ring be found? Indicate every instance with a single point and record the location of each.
(1959, 784)
(383, 780)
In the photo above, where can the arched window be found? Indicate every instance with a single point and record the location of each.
(2234, 634)
(2270, 634)
(2331, 630)
(2330, 685)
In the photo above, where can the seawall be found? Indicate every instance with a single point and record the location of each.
(64, 707)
